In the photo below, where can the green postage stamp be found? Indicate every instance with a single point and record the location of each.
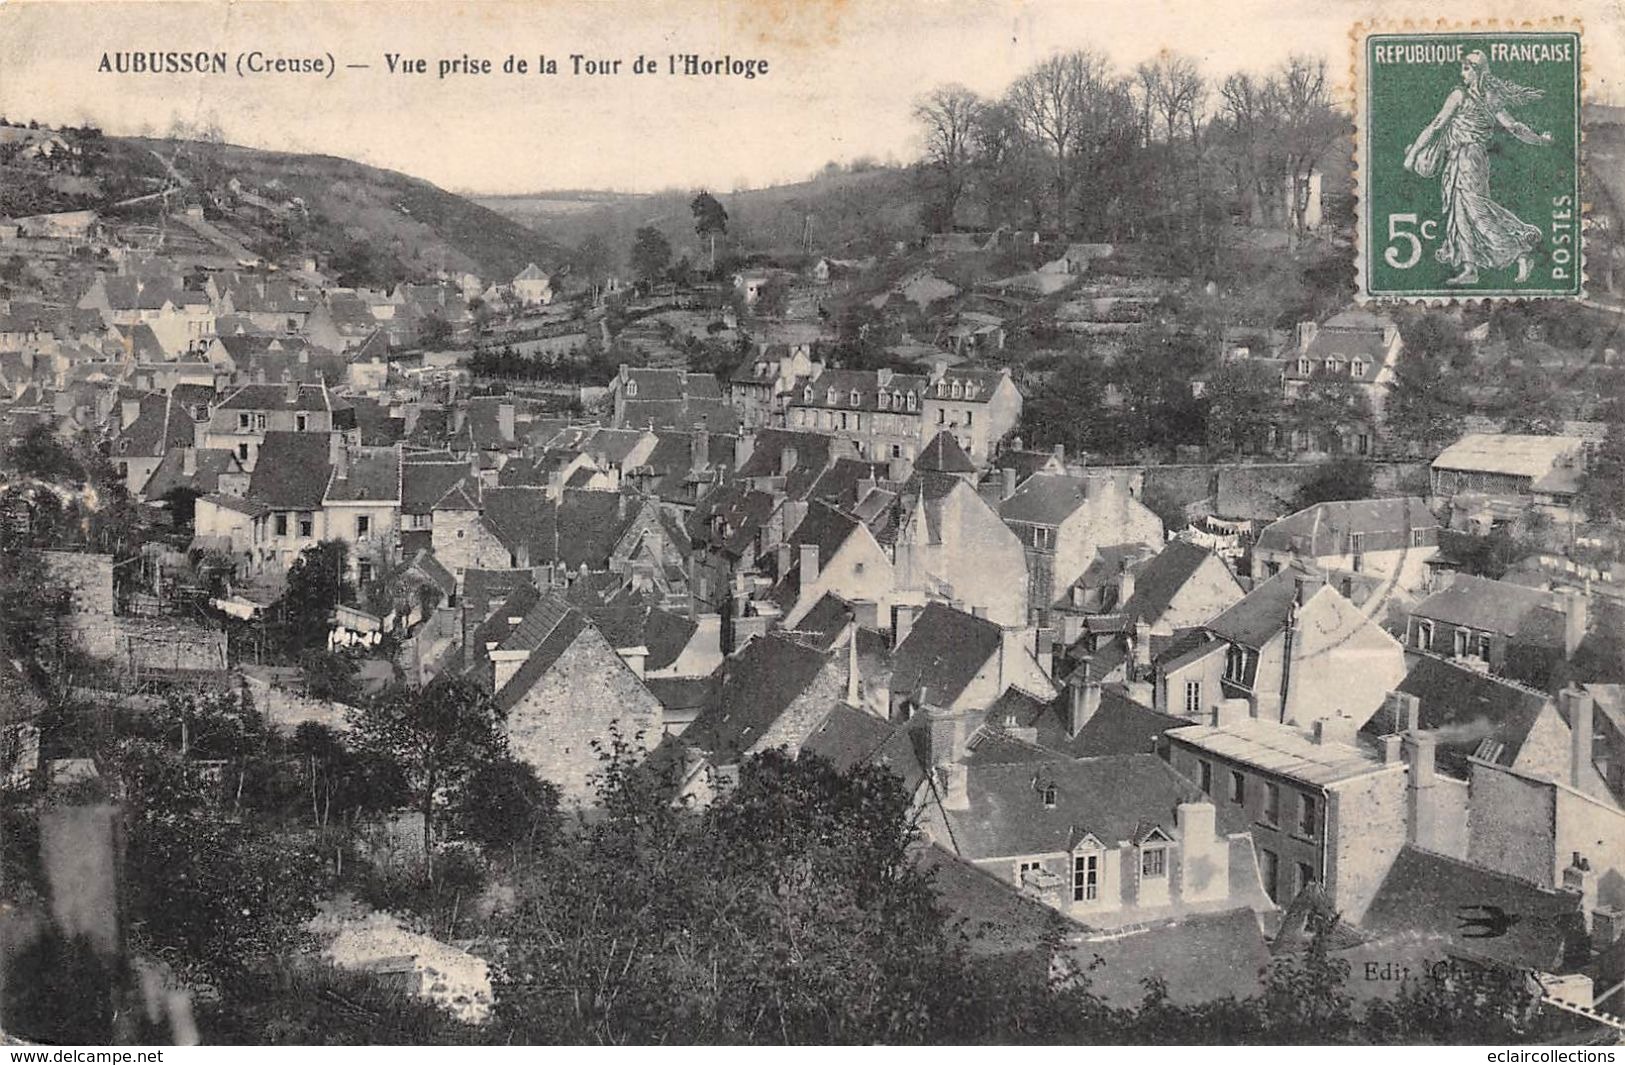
(1469, 163)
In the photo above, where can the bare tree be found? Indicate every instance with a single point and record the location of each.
(1310, 125)
(949, 117)
(1053, 102)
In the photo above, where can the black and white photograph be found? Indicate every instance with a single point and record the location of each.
(859, 522)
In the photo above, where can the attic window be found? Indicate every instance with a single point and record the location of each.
(830, 399)
(856, 399)
(1154, 863)
(958, 392)
(1049, 796)
(631, 389)
(807, 394)
(913, 401)
(884, 400)
(1331, 365)
(1303, 366)
(1357, 368)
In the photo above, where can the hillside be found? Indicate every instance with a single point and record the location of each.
(851, 213)
(376, 224)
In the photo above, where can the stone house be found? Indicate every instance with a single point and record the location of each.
(1389, 538)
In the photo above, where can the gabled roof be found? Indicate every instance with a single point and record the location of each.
(944, 455)
(1114, 799)
(942, 654)
(277, 397)
(758, 684)
(1481, 603)
(1427, 892)
(549, 627)
(1119, 726)
(1193, 959)
(1159, 579)
(577, 528)
(1470, 713)
(423, 484)
(374, 476)
(838, 485)
(161, 425)
(1262, 612)
(170, 475)
(662, 633)
(1507, 453)
(1325, 528)
(1045, 499)
(430, 568)
(291, 471)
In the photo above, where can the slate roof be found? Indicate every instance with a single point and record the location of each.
(850, 737)
(211, 463)
(423, 484)
(1115, 798)
(944, 455)
(942, 654)
(758, 684)
(1160, 578)
(1044, 499)
(812, 455)
(276, 397)
(291, 471)
(1262, 612)
(1481, 603)
(550, 627)
(161, 425)
(1430, 893)
(374, 476)
(1469, 713)
(743, 511)
(834, 389)
(663, 634)
(425, 563)
(996, 919)
(1198, 957)
(1325, 528)
(575, 529)
(1119, 726)
(483, 587)
(838, 485)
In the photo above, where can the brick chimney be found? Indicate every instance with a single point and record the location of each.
(944, 736)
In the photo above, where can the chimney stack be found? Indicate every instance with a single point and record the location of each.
(1577, 710)
(787, 461)
(1082, 703)
(744, 447)
(944, 736)
(699, 453)
(1403, 712)
(1044, 650)
(1230, 712)
(1008, 474)
(809, 566)
(1576, 618)
(1125, 583)
(902, 622)
(189, 462)
(854, 679)
(1060, 454)
(1422, 808)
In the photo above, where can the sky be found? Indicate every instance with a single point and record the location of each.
(842, 74)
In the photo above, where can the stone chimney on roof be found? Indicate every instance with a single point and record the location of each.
(699, 449)
(787, 460)
(1578, 710)
(291, 392)
(1082, 703)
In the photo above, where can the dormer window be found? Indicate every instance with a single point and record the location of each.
(1331, 365)
(631, 389)
(1357, 368)
(807, 394)
(1049, 796)
(1235, 664)
(957, 391)
(883, 400)
(942, 389)
(913, 401)
(857, 400)
(1303, 367)
(1153, 862)
(830, 399)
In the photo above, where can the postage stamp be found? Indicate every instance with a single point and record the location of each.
(1468, 163)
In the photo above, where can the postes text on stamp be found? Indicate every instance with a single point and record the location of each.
(1469, 164)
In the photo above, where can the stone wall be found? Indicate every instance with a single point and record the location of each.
(89, 581)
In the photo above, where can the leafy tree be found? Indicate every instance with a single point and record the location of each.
(435, 331)
(1426, 406)
(503, 803)
(1243, 404)
(438, 735)
(1342, 478)
(317, 581)
(592, 259)
(38, 453)
(1602, 488)
(219, 892)
(789, 912)
(710, 221)
(651, 252)
(342, 779)
(328, 675)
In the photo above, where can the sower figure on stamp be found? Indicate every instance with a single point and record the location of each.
(1478, 232)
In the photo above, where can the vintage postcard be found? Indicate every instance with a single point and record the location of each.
(890, 522)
